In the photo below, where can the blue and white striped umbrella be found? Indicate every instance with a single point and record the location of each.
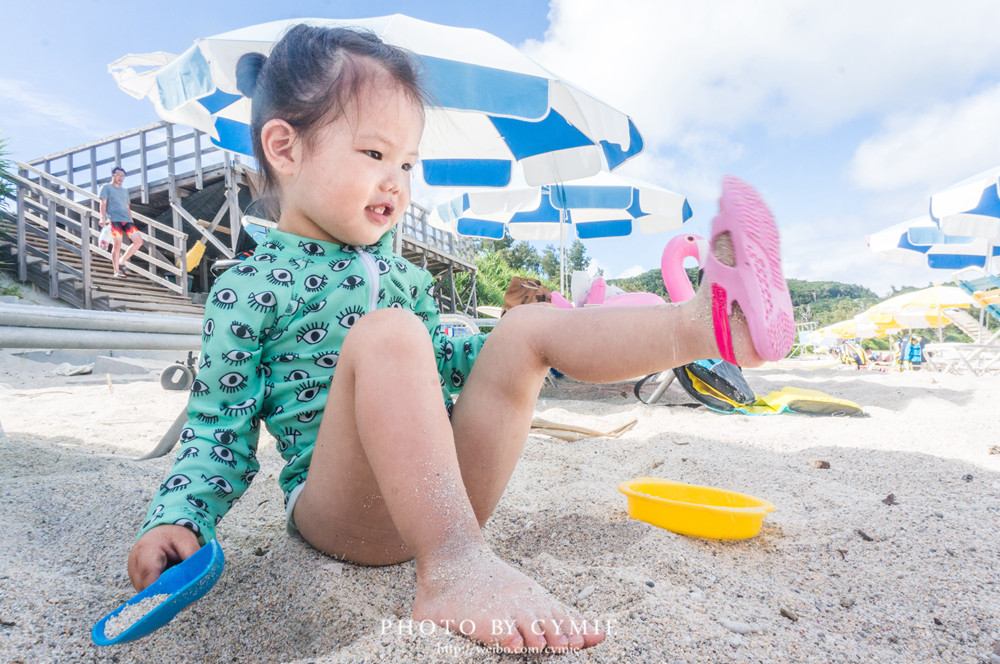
(601, 206)
(919, 243)
(971, 207)
(496, 111)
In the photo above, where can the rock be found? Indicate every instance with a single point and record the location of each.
(847, 602)
(788, 613)
(650, 584)
(259, 551)
(967, 477)
(994, 659)
(994, 449)
(890, 499)
(736, 626)
(865, 536)
(736, 640)
(586, 592)
(818, 463)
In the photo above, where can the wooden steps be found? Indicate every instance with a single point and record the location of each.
(133, 293)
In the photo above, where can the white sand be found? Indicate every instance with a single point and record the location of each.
(926, 588)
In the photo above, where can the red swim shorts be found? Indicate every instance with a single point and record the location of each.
(119, 228)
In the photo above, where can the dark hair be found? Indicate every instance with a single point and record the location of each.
(118, 168)
(311, 76)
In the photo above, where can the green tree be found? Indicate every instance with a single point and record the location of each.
(6, 171)
(522, 256)
(576, 257)
(549, 265)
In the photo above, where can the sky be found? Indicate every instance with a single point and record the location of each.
(846, 116)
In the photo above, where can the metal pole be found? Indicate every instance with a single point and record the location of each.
(31, 316)
(40, 337)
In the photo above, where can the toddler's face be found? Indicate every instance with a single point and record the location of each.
(354, 182)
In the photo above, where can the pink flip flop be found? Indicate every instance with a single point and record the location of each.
(755, 281)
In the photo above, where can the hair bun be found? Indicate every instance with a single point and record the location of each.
(248, 71)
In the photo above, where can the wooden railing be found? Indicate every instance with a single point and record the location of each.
(415, 227)
(154, 153)
(68, 217)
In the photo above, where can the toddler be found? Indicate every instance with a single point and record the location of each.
(331, 340)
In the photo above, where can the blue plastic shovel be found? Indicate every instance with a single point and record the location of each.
(186, 583)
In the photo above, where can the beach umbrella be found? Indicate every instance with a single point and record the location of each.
(933, 298)
(497, 114)
(601, 206)
(920, 242)
(970, 207)
(851, 328)
(921, 309)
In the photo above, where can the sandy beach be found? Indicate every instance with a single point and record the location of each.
(837, 574)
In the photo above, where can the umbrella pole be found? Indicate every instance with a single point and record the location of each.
(562, 251)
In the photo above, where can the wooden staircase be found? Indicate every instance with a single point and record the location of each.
(188, 190)
(108, 293)
(135, 293)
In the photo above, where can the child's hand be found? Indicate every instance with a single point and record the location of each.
(157, 550)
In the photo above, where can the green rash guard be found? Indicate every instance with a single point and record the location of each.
(274, 327)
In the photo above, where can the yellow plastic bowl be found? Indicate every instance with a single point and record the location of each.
(698, 511)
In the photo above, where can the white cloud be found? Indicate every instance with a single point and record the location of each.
(787, 65)
(27, 106)
(633, 271)
(944, 144)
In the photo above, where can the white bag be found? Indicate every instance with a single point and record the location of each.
(105, 238)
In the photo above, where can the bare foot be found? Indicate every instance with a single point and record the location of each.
(479, 596)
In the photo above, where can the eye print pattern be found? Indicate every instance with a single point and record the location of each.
(263, 302)
(232, 382)
(174, 483)
(248, 390)
(279, 276)
(313, 333)
(298, 374)
(315, 283)
(311, 248)
(224, 455)
(308, 392)
(225, 298)
(242, 331)
(314, 307)
(326, 360)
(352, 282)
(341, 265)
(225, 436)
(350, 316)
(237, 357)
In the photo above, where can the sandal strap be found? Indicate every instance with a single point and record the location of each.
(720, 320)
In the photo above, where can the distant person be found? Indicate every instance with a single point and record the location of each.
(115, 207)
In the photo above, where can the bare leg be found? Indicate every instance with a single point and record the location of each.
(492, 417)
(116, 251)
(384, 485)
(136, 243)
(382, 488)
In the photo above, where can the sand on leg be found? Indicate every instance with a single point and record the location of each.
(384, 485)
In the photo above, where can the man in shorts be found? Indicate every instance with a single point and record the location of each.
(115, 207)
